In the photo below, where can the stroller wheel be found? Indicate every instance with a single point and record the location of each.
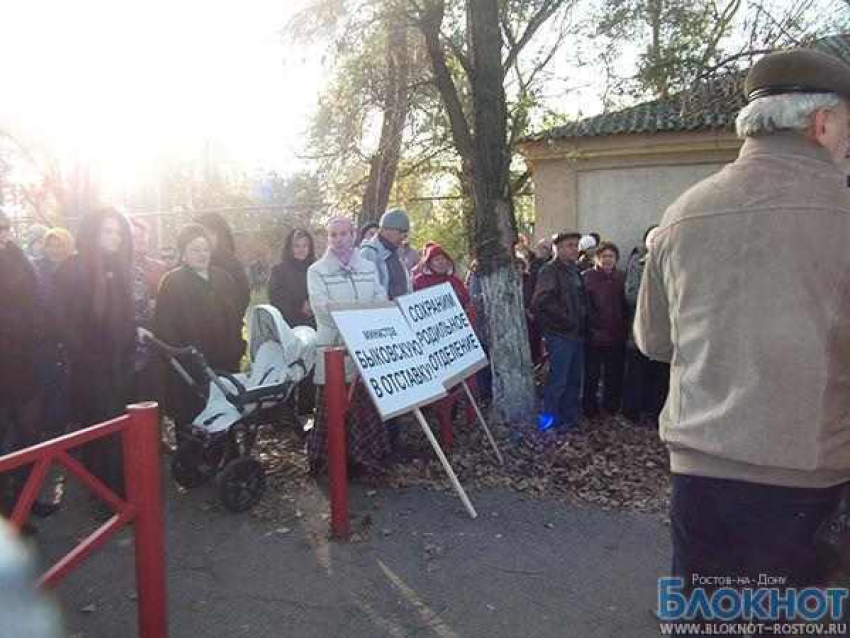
(189, 468)
(242, 483)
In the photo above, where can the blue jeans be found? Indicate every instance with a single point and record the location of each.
(566, 368)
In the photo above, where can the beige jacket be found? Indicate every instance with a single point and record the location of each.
(746, 293)
(329, 284)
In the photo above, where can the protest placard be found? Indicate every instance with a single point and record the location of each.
(441, 325)
(391, 360)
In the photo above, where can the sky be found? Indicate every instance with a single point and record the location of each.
(124, 85)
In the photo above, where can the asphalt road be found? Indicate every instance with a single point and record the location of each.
(419, 566)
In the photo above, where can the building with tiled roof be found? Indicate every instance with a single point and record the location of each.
(615, 173)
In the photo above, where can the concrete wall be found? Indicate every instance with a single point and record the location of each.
(620, 203)
(618, 185)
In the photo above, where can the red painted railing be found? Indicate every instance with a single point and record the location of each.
(336, 400)
(141, 508)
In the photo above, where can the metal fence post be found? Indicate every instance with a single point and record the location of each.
(141, 471)
(335, 401)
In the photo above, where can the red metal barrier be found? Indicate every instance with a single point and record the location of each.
(336, 404)
(142, 507)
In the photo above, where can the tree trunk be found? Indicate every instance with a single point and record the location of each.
(495, 225)
(510, 356)
(384, 164)
(485, 164)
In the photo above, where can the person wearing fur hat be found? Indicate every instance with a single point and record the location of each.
(224, 257)
(439, 268)
(386, 252)
(97, 325)
(195, 307)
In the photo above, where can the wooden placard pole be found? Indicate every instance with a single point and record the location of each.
(483, 423)
(445, 462)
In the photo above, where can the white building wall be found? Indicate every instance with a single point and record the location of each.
(620, 203)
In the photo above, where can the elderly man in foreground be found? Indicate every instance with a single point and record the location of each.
(757, 331)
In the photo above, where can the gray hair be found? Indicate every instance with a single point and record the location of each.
(786, 112)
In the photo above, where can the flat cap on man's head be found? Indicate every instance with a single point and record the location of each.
(564, 235)
(797, 71)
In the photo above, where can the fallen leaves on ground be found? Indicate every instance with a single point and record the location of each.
(612, 463)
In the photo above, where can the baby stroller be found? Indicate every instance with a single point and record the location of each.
(220, 439)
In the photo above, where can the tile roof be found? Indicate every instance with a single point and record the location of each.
(713, 105)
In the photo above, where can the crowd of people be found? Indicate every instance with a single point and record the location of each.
(580, 308)
(75, 350)
(722, 306)
(73, 331)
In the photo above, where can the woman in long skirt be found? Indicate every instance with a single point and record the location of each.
(342, 276)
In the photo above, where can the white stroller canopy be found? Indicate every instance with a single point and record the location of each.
(265, 323)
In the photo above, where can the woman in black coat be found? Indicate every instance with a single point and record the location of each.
(20, 320)
(96, 322)
(288, 293)
(20, 327)
(195, 307)
(53, 373)
(288, 282)
(224, 257)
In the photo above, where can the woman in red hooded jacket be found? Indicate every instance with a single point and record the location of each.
(436, 268)
(439, 268)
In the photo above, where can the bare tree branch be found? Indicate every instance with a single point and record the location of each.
(711, 70)
(546, 11)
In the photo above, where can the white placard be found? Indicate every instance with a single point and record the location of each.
(392, 362)
(442, 327)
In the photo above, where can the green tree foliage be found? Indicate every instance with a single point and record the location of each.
(377, 102)
(263, 205)
(441, 222)
(683, 42)
(345, 131)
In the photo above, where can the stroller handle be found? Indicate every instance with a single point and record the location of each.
(170, 350)
(174, 354)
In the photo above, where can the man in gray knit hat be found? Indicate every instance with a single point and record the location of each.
(758, 334)
(383, 250)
